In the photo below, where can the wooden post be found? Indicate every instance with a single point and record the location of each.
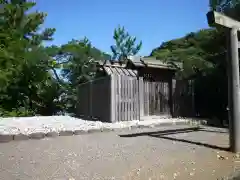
(113, 105)
(234, 123)
(170, 87)
(218, 19)
(141, 97)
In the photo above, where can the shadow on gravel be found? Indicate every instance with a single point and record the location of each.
(212, 131)
(162, 135)
(164, 132)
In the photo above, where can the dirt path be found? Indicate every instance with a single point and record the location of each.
(159, 155)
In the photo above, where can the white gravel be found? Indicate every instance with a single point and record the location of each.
(45, 124)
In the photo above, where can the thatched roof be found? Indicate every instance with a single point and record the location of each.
(152, 62)
(114, 67)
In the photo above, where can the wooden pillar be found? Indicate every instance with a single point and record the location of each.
(219, 19)
(112, 94)
(170, 102)
(234, 96)
(141, 97)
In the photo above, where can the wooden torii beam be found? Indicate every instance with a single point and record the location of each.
(232, 26)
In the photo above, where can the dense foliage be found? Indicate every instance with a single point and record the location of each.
(25, 79)
(203, 55)
(223, 5)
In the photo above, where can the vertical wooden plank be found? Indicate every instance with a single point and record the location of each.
(148, 94)
(123, 98)
(159, 97)
(164, 96)
(119, 98)
(132, 102)
(113, 98)
(129, 99)
(146, 98)
(141, 96)
(135, 98)
(170, 96)
(138, 100)
(167, 97)
(126, 97)
(174, 95)
(133, 94)
(116, 96)
(151, 94)
(158, 94)
(154, 98)
(151, 98)
(132, 98)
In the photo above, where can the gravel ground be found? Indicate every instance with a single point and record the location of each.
(153, 153)
(46, 124)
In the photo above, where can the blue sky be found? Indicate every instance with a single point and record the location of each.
(152, 21)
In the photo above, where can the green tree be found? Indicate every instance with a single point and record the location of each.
(125, 45)
(76, 60)
(222, 5)
(203, 56)
(193, 51)
(230, 8)
(24, 64)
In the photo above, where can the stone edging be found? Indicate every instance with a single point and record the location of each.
(41, 135)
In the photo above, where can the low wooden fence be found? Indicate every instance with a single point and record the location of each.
(126, 98)
(94, 100)
(156, 98)
(183, 98)
(123, 98)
